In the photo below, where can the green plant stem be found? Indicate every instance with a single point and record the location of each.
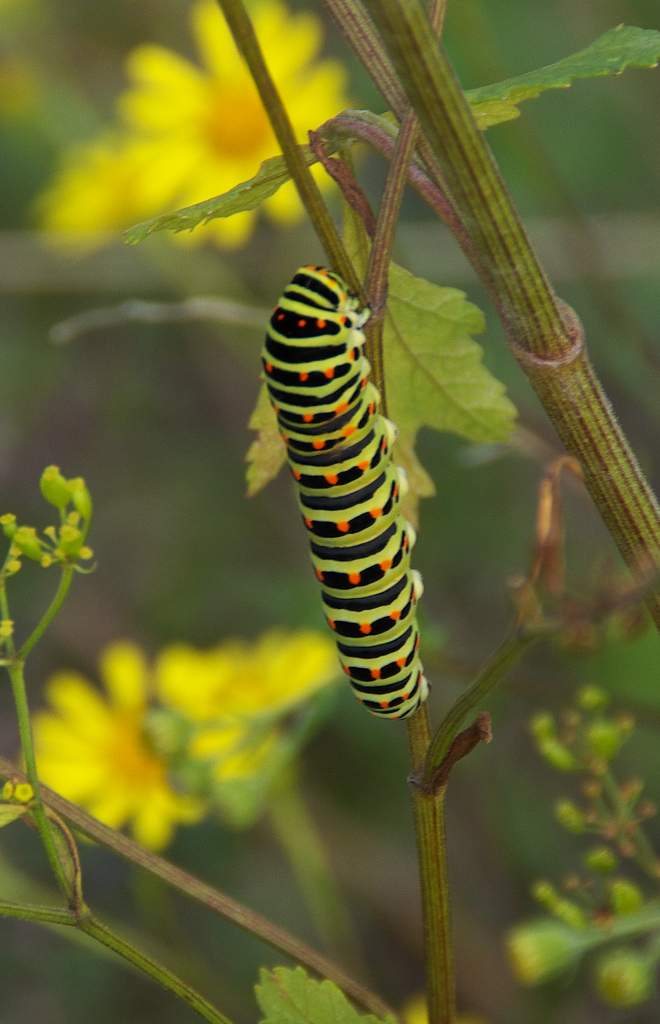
(55, 605)
(506, 655)
(645, 855)
(90, 926)
(247, 44)
(304, 849)
(46, 915)
(429, 816)
(25, 732)
(239, 915)
(153, 969)
(545, 336)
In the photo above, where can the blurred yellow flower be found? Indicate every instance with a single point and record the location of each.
(238, 680)
(91, 749)
(190, 133)
(415, 1012)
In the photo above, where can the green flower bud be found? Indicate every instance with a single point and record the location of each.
(80, 496)
(54, 487)
(624, 977)
(625, 897)
(602, 860)
(8, 523)
(541, 950)
(23, 792)
(70, 540)
(570, 816)
(559, 907)
(557, 755)
(542, 726)
(7, 790)
(603, 738)
(26, 540)
(591, 698)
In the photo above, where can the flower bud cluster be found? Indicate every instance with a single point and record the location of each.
(62, 545)
(585, 740)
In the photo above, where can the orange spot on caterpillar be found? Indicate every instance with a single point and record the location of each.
(350, 429)
(319, 573)
(308, 417)
(396, 491)
(322, 270)
(342, 407)
(354, 578)
(401, 662)
(375, 512)
(303, 376)
(308, 524)
(365, 627)
(363, 465)
(417, 642)
(405, 543)
(396, 614)
(363, 382)
(384, 703)
(318, 445)
(383, 445)
(351, 355)
(385, 564)
(285, 438)
(280, 316)
(321, 324)
(331, 623)
(296, 473)
(329, 372)
(343, 527)
(342, 319)
(269, 367)
(302, 323)
(332, 478)
(276, 408)
(375, 673)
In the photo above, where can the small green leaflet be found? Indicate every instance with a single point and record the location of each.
(619, 48)
(434, 378)
(290, 997)
(247, 195)
(10, 812)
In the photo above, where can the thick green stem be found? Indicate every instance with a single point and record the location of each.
(544, 335)
(248, 46)
(429, 815)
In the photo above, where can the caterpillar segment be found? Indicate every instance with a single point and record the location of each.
(349, 492)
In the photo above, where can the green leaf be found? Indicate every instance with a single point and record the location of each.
(619, 48)
(247, 195)
(290, 997)
(267, 453)
(10, 812)
(434, 374)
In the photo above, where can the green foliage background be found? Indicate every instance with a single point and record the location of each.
(155, 419)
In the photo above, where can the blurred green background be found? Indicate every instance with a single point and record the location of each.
(154, 418)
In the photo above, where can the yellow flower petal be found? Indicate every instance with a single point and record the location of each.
(124, 671)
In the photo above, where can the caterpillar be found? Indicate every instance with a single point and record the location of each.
(349, 492)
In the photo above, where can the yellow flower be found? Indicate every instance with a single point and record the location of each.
(415, 1012)
(92, 751)
(200, 130)
(237, 680)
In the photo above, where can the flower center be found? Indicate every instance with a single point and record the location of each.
(130, 757)
(237, 125)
